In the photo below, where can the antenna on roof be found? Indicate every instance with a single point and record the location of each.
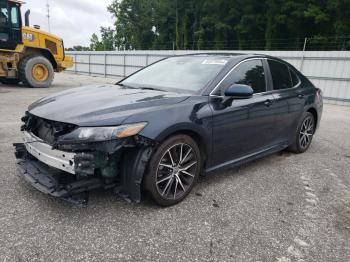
(48, 15)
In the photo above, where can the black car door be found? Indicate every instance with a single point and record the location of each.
(289, 99)
(247, 125)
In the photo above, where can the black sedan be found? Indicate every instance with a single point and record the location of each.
(157, 130)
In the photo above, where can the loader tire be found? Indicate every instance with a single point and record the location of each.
(9, 81)
(36, 71)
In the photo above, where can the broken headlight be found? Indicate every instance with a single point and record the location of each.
(98, 134)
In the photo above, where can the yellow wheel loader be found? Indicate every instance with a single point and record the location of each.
(28, 54)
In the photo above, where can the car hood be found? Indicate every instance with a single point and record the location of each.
(101, 105)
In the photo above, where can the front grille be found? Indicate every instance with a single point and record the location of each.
(47, 130)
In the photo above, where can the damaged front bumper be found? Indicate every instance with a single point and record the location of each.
(44, 153)
(68, 174)
(49, 181)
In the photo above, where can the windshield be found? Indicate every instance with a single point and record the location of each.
(183, 73)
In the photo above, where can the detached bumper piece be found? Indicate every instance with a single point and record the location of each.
(55, 182)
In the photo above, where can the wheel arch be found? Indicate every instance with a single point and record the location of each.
(30, 51)
(199, 137)
(313, 111)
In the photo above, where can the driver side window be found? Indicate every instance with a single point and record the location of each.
(249, 73)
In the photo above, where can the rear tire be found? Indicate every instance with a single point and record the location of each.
(304, 134)
(9, 81)
(36, 71)
(170, 177)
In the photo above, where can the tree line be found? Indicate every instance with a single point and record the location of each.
(226, 25)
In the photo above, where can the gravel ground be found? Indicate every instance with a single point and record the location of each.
(284, 207)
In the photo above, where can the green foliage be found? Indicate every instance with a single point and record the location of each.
(134, 23)
(226, 24)
(107, 42)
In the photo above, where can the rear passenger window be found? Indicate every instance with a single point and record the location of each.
(295, 78)
(280, 75)
(249, 73)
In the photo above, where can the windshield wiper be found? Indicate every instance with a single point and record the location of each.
(152, 88)
(120, 84)
(142, 87)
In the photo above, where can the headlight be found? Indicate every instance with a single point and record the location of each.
(96, 134)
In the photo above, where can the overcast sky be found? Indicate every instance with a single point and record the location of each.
(73, 20)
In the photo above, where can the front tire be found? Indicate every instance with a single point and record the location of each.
(173, 170)
(36, 71)
(304, 134)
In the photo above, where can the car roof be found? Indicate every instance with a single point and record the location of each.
(229, 56)
(233, 58)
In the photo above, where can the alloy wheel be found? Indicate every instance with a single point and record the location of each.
(176, 171)
(306, 132)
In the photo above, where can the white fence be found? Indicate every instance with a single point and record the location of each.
(328, 70)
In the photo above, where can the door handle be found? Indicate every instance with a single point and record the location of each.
(268, 102)
(300, 96)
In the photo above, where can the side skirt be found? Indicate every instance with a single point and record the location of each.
(247, 158)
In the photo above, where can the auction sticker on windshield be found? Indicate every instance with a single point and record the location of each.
(214, 62)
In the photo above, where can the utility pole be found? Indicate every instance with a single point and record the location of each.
(303, 56)
(48, 14)
(304, 47)
(176, 26)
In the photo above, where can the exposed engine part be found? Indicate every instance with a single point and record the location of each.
(46, 130)
(84, 164)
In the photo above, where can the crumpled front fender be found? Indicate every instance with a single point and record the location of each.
(134, 167)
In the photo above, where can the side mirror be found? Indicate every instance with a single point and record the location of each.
(238, 91)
